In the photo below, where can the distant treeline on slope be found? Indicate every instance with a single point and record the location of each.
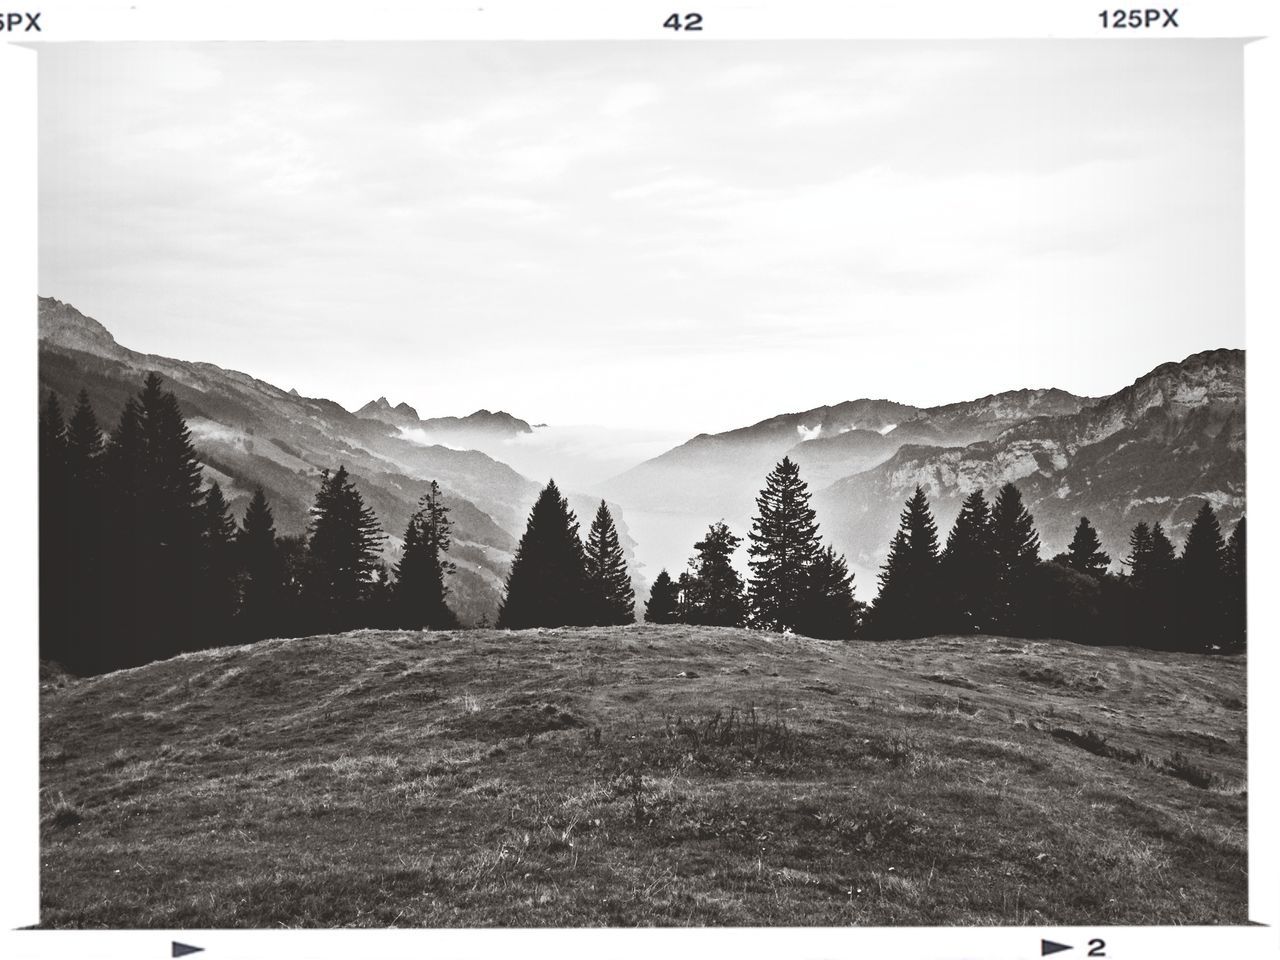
(138, 561)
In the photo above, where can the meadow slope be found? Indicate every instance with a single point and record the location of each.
(645, 775)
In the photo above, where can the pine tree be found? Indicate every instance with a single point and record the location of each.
(85, 445)
(1236, 625)
(664, 600)
(125, 586)
(967, 569)
(712, 592)
(611, 597)
(1161, 560)
(153, 559)
(1202, 584)
(420, 590)
(86, 516)
(830, 611)
(174, 476)
(907, 603)
(1139, 559)
(547, 585)
(219, 581)
(55, 536)
(171, 519)
(344, 542)
(1160, 592)
(784, 544)
(1085, 553)
(264, 596)
(1017, 548)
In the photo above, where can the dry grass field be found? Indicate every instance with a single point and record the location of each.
(645, 776)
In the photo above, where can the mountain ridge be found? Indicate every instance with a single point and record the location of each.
(251, 433)
(1151, 452)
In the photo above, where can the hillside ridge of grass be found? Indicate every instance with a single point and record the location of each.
(652, 775)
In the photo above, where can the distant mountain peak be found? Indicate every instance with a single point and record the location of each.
(63, 325)
(482, 421)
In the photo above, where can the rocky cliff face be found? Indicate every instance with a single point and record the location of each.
(62, 325)
(1153, 451)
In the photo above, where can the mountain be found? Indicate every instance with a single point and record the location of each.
(381, 409)
(670, 499)
(824, 460)
(472, 429)
(717, 474)
(1153, 451)
(250, 433)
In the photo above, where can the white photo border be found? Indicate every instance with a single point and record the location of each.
(182, 20)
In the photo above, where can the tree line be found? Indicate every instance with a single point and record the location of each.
(989, 578)
(140, 561)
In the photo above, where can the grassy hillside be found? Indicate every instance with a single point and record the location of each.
(645, 775)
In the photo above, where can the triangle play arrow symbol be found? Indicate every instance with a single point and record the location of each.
(1048, 946)
(182, 949)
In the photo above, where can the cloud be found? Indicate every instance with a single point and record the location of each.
(644, 233)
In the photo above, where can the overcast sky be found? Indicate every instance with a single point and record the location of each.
(684, 236)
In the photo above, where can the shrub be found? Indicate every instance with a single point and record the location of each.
(65, 814)
(744, 735)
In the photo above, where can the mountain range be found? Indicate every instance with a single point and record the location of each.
(250, 433)
(1152, 451)
(476, 428)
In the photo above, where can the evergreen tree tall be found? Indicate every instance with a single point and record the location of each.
(1085, 553)
(420, 591)
(611, 597)
(1153, 564)
(907, 603)
(55, 543)
(1202, 584)
(967, 570)
(1017, 548)
(85, 447)
(172, 521)
(220, 577)
(664, 600)
(125, 586)
(86, 515)
(1236, 621)
(264, 605)
(155, 533)
(344, 542)
(1139, 559)
(830, 611)
(547, 585)
(783, 546)
(712, 592)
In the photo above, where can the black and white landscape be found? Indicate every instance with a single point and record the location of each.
(474, 491)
